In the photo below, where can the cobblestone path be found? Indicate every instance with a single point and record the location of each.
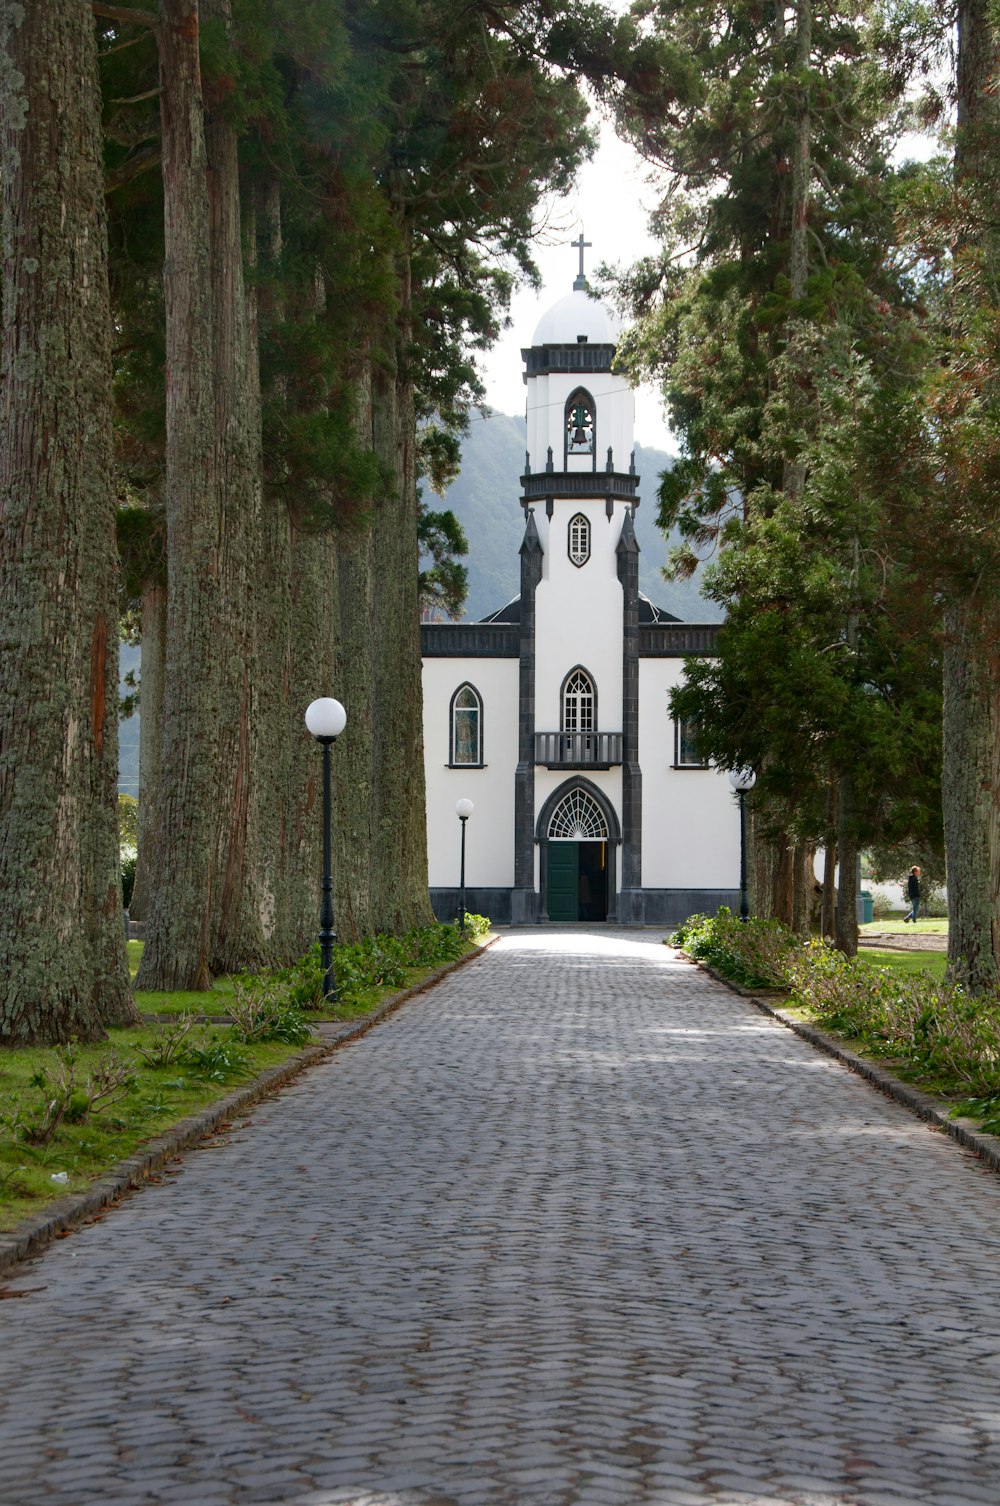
(577, 1228)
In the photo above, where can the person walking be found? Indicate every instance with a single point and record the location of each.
(913, 894)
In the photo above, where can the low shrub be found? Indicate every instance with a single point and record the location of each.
(941, 1034)
(261, 1011)
(374, 962)
(754, 953)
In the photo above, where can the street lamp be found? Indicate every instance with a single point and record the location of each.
(743, 781)
(463, 810)
(326, 720)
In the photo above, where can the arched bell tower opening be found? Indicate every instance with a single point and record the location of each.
(578, 835)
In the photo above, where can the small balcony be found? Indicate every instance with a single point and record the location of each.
(578, 750)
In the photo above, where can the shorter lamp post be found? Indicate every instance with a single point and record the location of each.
(326, 720)
(743, 781)
(463, 810)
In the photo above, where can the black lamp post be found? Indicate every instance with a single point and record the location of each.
(326, 720)
(743, 781)
(463, 810)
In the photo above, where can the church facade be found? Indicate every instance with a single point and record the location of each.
(551, 715)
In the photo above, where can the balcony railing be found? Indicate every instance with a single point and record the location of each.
(578, 750)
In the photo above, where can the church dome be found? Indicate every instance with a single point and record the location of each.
(575, 315)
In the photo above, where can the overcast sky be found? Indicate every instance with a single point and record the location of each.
(611, 205)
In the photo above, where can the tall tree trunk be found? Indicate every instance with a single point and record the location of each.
(971, 798)
(828, 909)
(237, 932)
(971, 754)
(846, 914)
(179, 933)
(154, 644)
(400, 896)
(63, 969)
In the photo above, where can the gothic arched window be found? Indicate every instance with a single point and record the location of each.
(580, 423)
(579, 539)
(578, 818)
(579, 702)
(466, 726)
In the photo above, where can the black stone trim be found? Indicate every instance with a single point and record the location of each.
(469, 640)
(627, 551)
(657, 908)
(524, 777)
(669, 640)
(544, 360)
(617, 485)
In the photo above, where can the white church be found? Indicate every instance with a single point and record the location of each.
(551, 715)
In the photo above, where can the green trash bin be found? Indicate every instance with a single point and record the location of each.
(869, 906)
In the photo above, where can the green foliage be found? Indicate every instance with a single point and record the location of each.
(753, 953)
(933, 1029)
(260, 1011)
(128, 820)
(443, 583)
(64, 1094)
(371, 964)
(129, 859)
(215, 1058)
(476, 925)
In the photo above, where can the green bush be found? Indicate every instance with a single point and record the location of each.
(374, 962)
(753, 953)
(950, 1039)
(128, 862)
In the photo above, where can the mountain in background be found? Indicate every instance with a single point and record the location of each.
(485, 496)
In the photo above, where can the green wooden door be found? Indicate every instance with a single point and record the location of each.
(564, 880)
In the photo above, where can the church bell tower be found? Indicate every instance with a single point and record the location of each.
(578, 723)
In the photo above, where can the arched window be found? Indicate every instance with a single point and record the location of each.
(578, 818)
(579, 702)
(466, 727)
(579, 539)
(580, 426)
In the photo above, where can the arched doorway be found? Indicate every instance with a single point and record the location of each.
(579, 834)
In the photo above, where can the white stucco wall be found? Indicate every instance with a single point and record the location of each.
(489, 849)
(578, 614)
(690, 818)
(614, 405)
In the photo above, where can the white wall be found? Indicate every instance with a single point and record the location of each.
(489, 847)
(614, 404)
(578, 614)
(690, 818)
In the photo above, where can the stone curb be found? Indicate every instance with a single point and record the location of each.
(31, 1236)
(965, 1131)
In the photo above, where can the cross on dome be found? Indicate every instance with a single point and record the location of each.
(580, 284)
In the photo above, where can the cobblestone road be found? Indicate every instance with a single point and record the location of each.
(577, 1228)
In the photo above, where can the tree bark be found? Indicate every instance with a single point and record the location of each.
(400, 897)
(971, 725)
(237, 942)
(829, 902)
(179, 934)
(846, 913)
(63, 968)
(154, 641)
(971, 799)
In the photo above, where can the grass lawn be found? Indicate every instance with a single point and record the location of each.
(907, 962)
(156, 1098)
(937, 927)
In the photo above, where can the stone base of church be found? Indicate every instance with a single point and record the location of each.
(635, 907)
